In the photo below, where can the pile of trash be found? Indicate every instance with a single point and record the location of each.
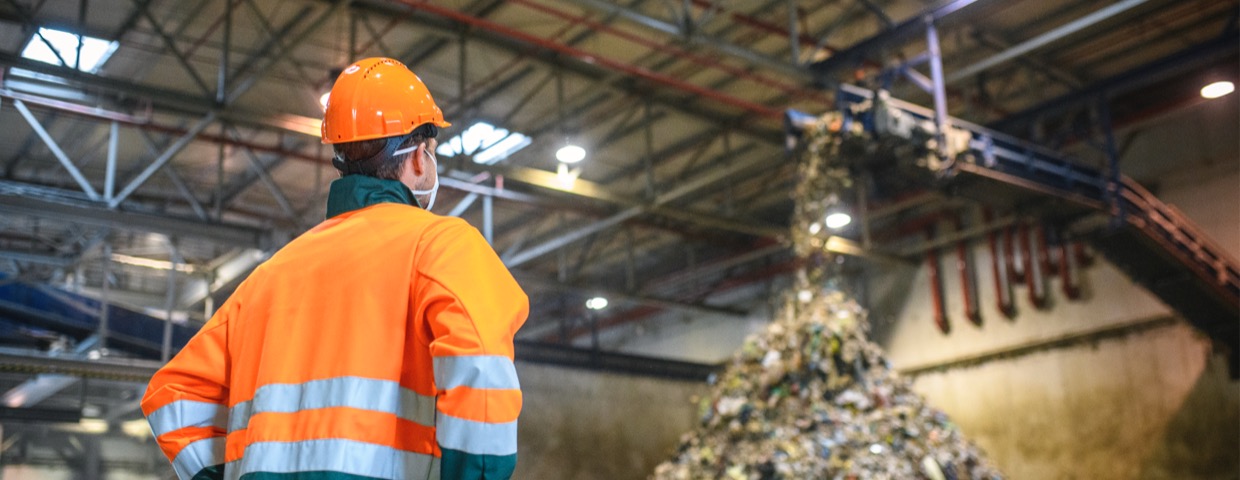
(811, 397)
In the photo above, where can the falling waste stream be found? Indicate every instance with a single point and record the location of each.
(811, 397)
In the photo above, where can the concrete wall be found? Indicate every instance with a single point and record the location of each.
(1113, 385)
(578, 424)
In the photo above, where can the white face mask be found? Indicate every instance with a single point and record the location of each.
(434, 190)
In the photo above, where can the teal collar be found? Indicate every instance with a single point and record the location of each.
(355, 192)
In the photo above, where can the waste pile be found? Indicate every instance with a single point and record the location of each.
(811, 397)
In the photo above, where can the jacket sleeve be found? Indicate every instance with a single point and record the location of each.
(473, 307)
(186, 402)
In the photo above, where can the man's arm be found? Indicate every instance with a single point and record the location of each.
(186, 403)
(474, 307)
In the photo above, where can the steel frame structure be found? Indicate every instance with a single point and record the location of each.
(684, 102)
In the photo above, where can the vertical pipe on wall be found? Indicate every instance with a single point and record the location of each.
(936, 285)
(1015, 255)
(1034, 279)
(999, 268)
(1069, 271)
(968, 281)
(1043, 253)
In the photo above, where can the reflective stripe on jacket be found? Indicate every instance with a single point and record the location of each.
(377, 345)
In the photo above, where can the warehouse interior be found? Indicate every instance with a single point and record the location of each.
(1064, 285)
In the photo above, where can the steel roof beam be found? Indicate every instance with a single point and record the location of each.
(281, 52)
(1151, 72)
(162, 160)
(1044, 39)
(56, 151)
(20, 201)
(716, 44)
(683, 189)
(906, 31)
(510, 33)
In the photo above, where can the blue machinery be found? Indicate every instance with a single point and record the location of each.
(1150, 241)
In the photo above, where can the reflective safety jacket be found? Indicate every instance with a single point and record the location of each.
(378, 345)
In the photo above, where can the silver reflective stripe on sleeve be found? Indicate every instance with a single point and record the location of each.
(199, 455)
(334, 455)
(355, 392)
(476, 371)
(187, 413)
(479, 438)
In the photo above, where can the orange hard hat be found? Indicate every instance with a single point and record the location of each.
(376, 98)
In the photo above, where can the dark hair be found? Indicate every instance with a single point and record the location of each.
(374, 158)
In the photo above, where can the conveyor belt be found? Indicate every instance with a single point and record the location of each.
(77, 316)
(1152, 242)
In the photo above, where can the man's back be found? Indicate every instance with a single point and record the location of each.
(324, 357)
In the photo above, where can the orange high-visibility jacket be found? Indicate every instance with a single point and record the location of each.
(377, 345)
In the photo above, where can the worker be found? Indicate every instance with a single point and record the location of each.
(377, 345)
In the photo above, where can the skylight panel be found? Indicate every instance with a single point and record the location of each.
(95, 51)
(487, 143)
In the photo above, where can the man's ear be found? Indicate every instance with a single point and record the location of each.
(414, 161)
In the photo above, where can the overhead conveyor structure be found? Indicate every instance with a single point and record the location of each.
(900, 144)
(27, 309)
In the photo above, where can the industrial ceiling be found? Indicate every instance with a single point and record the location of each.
(190, 152)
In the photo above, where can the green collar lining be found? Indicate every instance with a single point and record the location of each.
(355, 192)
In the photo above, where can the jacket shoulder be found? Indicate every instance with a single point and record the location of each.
(451, 229)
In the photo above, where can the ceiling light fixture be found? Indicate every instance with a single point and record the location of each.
(1217, 89)
(838, 220)
(570, 154)
(596, 303)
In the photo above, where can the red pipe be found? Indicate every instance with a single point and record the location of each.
(1044, 253)
(768, 27)
(936, 285)
(1053, 253)
(1015, 254)
(1033, 270)
(752, 107)
(999, 269)
(968, 285)
(1068, 271)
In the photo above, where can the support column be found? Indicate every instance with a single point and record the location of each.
(104, 309)
(940, 91)
(170, 304)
